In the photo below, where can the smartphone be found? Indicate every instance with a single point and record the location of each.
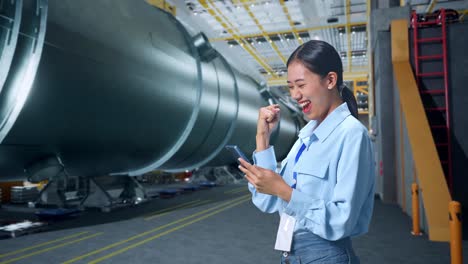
(237, 153)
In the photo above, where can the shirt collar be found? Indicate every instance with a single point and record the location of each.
(327, 126)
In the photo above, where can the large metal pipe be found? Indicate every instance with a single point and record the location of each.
(122, 88)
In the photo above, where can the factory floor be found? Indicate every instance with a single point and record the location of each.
(215, 225)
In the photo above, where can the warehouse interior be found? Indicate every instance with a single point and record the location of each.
(114, 117)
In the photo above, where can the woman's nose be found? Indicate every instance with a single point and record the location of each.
(295, 94)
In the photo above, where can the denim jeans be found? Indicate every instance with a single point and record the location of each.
(308, 248)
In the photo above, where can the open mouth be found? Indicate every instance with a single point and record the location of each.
(306, 106)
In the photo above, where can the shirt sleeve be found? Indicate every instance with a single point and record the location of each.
(339, 217)
(265, 202)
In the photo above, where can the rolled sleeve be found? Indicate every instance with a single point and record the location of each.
(265, 202)
(265, 158)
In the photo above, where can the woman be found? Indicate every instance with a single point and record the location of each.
(324, 189)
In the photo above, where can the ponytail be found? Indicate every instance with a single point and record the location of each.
(350, 100)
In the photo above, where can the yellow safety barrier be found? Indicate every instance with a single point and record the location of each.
(455, 232)
(415, 194)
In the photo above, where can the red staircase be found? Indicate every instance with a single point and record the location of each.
(431, 71)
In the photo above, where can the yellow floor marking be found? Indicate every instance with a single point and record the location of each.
(170, 208)
(239, 191)
(236, 189)
(42, 244)
(164, 233)
(151, 231)
(183, 207)
(49, 249)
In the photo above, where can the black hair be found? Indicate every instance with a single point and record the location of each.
(321, 58)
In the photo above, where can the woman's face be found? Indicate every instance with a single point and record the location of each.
(313, 93)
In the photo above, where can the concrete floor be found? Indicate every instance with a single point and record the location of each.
(218, 225)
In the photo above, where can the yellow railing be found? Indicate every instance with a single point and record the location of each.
(434, 190)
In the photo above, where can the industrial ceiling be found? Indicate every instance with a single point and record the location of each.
(259, 35)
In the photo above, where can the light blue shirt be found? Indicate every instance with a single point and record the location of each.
(334, 197)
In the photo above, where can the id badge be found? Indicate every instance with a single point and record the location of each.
(285, 233)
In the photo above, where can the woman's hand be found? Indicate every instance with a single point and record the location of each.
(266, 181)
(268, 118)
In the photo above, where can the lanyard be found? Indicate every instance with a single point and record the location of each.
(299, 153)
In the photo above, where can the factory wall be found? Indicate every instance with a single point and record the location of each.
(392, 143)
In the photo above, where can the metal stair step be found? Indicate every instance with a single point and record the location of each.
(433, 109)
(426, 40)
(425, 23)
(431, 57)
(430, 74)
(438, 91)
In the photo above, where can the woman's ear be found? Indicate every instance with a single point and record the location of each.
(332, 78)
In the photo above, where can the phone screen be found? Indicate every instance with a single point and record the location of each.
(237, 153)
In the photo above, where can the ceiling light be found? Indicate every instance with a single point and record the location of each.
(341, 33)
(270, 41)
(231, 46)
(252, 5)
(353, 32)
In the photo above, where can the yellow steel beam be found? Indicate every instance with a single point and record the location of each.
(282, 81)
(431, 6)
(348, 33)
(244, 43)
(289, 31)
(291, 23)
(270, 58)
(362, 89)
(402, 3)
(164, 5)
(264, 34)
(462, 13)
(355, 74)
(435, 194)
